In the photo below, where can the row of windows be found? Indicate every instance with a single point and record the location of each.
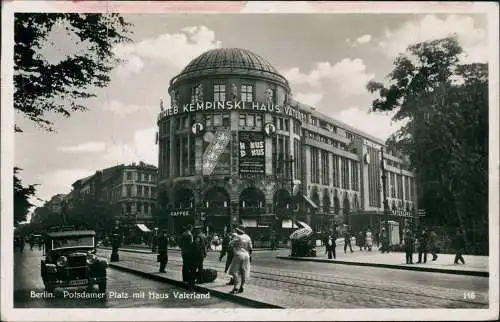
(140, 176)
(140, 191)
(137, 208)
(396, 182)
(329, 127)
(340, 169)
(324, 139)
(220, 92)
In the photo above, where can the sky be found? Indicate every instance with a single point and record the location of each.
(328, 59)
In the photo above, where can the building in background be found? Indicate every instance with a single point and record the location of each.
(236, 149)
(125, 194)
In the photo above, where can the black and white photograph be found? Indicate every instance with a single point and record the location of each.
(238, 157)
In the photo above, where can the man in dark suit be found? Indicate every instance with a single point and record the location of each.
(163, 250)
(330, 244)
(186, 245)
(199, 251)
(423, 239)
(347, 239)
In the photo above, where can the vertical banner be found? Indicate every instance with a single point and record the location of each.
(215, 150)
(251, 153)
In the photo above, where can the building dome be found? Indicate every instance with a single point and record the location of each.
(229, 61)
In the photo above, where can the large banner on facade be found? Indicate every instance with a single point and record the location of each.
(215, 150)
(252, 153)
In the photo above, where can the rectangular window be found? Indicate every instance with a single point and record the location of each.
(139, 191)
(129, 175)
(186, 122)
(219, 93)
(243, 120)
(250, 120)
(192, 156)
(247, 93)
(325, 168)
(258, 122)
(208, 120)
(275, 156)
(287, 124)
(297, 154)
(193, 94)
(225, 121)
(146, 192)
(400, 186)
(217, 120)
(393, 185)
(280, 123)
(129, 191)
(185, 153)
(153, 192)
(354, 175)
(166, 155)
(345, 173)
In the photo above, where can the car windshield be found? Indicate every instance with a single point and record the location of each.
(68, 242)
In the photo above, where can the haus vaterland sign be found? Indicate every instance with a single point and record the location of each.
(229, 106)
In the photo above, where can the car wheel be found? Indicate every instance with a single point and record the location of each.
(102, 287)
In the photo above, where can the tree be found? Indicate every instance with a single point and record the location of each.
(446, 137)
(42, 87)
(22, 196)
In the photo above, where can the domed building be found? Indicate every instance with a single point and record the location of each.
(236, 149)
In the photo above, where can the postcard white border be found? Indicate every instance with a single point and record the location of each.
(146, 314)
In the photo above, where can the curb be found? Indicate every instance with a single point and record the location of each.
(225, 296)
(393, 266)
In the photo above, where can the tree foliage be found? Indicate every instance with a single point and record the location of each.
(446, 137)
(22, 197)
(42, 86)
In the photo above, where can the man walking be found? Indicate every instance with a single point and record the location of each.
(330, 245)
(226, 249)
(408, 239)
(459, 245)
(272, 237)
(433, 244)
(199, 252)
(162, 243)
(186, 245)
(384, 236)
(422, 246)
(347, 239)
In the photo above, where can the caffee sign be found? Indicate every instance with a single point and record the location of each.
(231, 106)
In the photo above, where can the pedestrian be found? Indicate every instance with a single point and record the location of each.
(360, 240)
(347, 239)
(227, 250)
(199, 252)
(240, 265)
(272, 237)
(368, 239)
(409, 245)
(459, 245)
(186, 245)
(21, 243)
(384, 236)
(162, 243)
(331, 245)
(423, 239)
(433, 249)
(31, 241)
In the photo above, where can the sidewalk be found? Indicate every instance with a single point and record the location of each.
(474, 265)
(255, 296)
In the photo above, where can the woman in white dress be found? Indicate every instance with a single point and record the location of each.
(369, 239)
(240, 265)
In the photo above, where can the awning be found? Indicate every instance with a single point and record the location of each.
(310, 202)
(249, 222)
(143, 228)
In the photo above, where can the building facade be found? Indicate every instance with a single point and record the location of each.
(236, 149)
(129, 190)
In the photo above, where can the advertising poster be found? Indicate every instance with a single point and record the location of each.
(252, 153)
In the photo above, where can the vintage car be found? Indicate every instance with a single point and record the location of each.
(70, 261)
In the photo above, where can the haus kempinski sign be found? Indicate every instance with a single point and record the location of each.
(231, 106)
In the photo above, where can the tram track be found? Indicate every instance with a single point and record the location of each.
(358, 288)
